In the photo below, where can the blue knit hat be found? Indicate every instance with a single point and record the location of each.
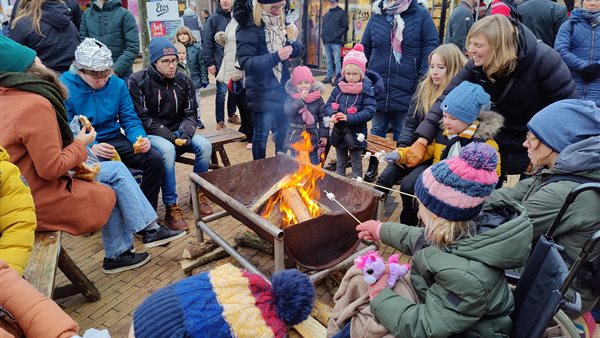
(465, 101)
(226, 302)
(566, 122)
(455, 189)
(160, 47)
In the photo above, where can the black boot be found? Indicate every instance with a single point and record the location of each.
(372, 171)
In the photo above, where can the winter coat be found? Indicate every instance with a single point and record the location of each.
(345, 133)
(291, 107)
(17, 215)
(229, 68)
(420, 38)
(459, 24)
(541, 78)
(578, 42)
(56, 48)
(191, 20)
(109, 108)
(195, 62)
(217, 22)
(544, 201)
(29, 132)
(413, 118)
(462, 287)
(335, 26)
(114, 26)
(544, 18)
(72, 6)
(164, 105)
(263, 91)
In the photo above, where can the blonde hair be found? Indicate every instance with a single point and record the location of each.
(440, 231)
(184, 30)
(178, 45)
(503, 39)
(427, 91)
(32, 8)
(257, 14)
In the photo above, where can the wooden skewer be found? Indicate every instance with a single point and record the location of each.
(386, 188)
(331, 196)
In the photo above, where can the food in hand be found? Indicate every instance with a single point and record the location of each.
(86, 172)
(137, 145)
(85, 123)
(180, 142)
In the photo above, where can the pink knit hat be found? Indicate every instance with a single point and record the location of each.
(356, 57)
(302, 73)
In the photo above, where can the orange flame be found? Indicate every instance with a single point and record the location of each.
(304, 180)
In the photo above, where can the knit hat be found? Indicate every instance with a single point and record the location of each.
(268, 1)
(465, 101)
(455, 189)
(15, 57)
(226, 302)
(92, 54)
(160, 47)
(356, 56)
(302, 73)
(565, 122)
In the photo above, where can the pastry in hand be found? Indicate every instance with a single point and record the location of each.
(137, 145)
(86, 172)
(85, 123)
(180, 142)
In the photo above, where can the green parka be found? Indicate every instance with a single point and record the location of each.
(462, 287)
(114, 26)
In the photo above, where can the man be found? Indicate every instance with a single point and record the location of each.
(113, 25)
(333, 34)
(544, 18)
(191, 20)
(459, 23)
(165, 101)
(204, 14)
(213, 57)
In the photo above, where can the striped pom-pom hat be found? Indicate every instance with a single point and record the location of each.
(455, 189)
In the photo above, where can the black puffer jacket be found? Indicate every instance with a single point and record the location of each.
(541, 78)
(212, 51)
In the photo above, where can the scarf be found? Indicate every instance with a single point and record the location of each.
(592, 17)
(312, 96)
(393, 9)
(275, 36)
(29, 83)
(351, 88)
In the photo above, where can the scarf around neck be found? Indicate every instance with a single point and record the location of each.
(275, 38)
(312, 96)
(350, 88)
(592, 17)
(392, 9)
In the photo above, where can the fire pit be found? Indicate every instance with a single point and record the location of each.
(317, 243)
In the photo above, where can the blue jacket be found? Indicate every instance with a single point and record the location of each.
(420, 38)
(344, 133)
(579, 45)
(109, 109)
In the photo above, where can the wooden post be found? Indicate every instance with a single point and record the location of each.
(80, 281)
(145, 40)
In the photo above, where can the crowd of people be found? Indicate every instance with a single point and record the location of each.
(515, 90)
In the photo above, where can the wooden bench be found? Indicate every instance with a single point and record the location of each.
(217, 138)
(46, 255)
(377, 143)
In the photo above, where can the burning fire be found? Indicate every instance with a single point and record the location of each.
(304, 180)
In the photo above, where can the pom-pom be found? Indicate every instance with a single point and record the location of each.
(294, 296)
(359, 47)
(480, 156)
(335, 106)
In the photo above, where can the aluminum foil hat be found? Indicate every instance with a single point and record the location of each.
(92, 54)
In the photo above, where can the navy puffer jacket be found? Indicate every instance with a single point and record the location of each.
(420, 38)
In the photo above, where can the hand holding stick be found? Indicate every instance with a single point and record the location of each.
(331, 197)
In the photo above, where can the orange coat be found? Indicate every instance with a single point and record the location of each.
(29, 132)
(37, 315)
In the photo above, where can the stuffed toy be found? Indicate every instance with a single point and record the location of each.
(373, 267)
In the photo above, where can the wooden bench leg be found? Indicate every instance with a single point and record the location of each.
(81, 284)
(223, 155)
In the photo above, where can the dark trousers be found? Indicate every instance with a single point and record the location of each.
(245, 115)
(150, 163)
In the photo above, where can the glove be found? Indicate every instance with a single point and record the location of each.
(415, 154)
(369, 230)
(392, 157)
(306, 115)
(590, 72)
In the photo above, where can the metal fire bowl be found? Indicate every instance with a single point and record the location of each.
(318, 243)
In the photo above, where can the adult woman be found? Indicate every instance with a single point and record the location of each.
(521, 75)
(46, 27)
(263, 52)
(578, 42)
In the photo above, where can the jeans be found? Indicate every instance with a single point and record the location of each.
(220, 103)
(200, 146)
(262, 124)
(355, 161)
(198, 112)
(381, 121)
(334, 58)
(132, 212)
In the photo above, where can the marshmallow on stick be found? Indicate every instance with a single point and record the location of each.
(331, 197)
(360, 137)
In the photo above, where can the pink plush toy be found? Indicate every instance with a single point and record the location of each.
(373, 267)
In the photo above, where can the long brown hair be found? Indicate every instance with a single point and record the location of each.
(184, 30)
(48, 75)
(427, 91)
(33, 9)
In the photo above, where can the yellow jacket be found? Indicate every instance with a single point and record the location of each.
(17, 215)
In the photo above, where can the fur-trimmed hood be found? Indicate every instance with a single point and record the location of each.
(490, 123)
(242, 12)
(290, 88)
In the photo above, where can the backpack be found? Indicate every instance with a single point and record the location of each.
(514, 12)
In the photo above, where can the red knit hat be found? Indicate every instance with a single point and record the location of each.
(356, 57)
(302, 73)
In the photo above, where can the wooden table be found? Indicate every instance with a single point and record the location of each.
(377, 143)
(217, 138)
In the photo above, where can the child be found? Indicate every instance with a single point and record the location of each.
(182, 65)
(351, 105)
(195, 63)
(305, 108)
(459, 258)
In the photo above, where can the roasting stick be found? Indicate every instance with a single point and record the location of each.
(331, 197)
(359, 179)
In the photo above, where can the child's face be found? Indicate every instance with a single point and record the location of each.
(302, 86)
(183, 38)
(182, 54)
(437, 69)
(454, 125)
(352, 73)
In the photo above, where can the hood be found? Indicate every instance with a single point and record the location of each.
(109, 5)
(242, 12)
(373, 83)
(56, 14)
(489, 124)
(4, 155)
(376, 7)
(526, 47)
(188, 12)
(291, 89)
(504, 238)
(582, 158)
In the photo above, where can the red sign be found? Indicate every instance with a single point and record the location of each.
(157, 29)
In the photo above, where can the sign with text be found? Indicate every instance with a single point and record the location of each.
(162, 10)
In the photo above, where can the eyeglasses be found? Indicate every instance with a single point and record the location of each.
(169, 62)
(98, 75)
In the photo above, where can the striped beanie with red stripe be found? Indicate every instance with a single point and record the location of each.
(226, 302)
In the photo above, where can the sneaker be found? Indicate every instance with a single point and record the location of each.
(160, 236)
(200, 124)
(234, 120)
(249, 146)
(125, 261)
(221, 125)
